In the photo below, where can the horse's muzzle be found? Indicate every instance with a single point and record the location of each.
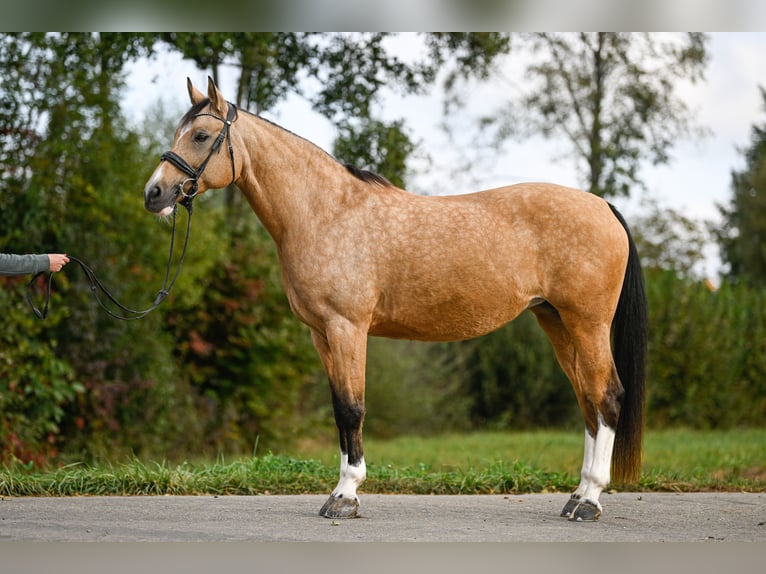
(157, 201)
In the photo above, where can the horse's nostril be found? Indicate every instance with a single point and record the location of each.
(155, 192)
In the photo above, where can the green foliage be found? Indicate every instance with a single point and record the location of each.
(352, 69)
(707, 353)
(383, 148)
(245, 354)
(667, 239)
(414, 388)
(81, 195)
(35, 383)
(475, 54)
(269, 62)
(514, 379)
(743, 234)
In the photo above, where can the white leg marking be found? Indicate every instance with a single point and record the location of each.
(587, 462)
(351, 476)
(596, 477)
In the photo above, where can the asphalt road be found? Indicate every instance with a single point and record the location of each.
(397, 534)
(628, 517)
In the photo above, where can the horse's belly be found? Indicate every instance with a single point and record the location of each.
(442, 332)
(443, 320)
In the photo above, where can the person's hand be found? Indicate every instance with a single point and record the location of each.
(57, 261)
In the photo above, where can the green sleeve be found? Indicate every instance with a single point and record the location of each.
(11, 264)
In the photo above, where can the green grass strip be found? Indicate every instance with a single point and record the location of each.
(479, 463)
(269, 474)
(278, 474)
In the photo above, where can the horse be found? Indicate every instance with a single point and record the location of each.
(361, 257)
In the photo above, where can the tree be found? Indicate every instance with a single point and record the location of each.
(343, 76)
(373, 143)
(668, 240)
(21, 107)
(743, 235)
(611, 96)
(707, 364)
(70, 169)
(268, 62)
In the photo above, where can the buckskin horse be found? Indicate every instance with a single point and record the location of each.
(360, 257)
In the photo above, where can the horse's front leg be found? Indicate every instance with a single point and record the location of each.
(344, 501)
(343, 352)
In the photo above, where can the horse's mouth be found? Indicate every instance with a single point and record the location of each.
(159, 203)
(165, 211)
(159, 209)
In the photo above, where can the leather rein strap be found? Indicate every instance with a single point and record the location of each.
(98, 289)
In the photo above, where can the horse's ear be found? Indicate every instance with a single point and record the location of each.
(194, 94)
(217, 102)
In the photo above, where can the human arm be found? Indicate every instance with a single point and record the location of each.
(12, 264)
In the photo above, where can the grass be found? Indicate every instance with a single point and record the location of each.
(518, 462)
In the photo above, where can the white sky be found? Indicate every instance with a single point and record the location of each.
(698, 177)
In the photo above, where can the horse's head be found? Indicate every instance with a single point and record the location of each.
(195, 163)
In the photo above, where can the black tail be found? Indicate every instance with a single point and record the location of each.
(629, 335)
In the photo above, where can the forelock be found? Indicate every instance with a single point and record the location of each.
(193, 111)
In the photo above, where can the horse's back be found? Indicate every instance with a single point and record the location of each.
(459, 266)
(543, 205)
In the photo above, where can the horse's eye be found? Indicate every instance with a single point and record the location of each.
(201, 137)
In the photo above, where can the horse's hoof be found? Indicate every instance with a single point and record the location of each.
(571, 504)
(340, 507)
(586, 511)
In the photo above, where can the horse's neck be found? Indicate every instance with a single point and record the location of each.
(288, 181)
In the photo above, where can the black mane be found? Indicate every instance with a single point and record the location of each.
(367, 176)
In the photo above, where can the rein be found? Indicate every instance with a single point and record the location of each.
(125, 313)
(128, 314)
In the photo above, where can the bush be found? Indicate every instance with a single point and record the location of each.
(707, 363)
(707, 352)
(249, 361)
(414, 388)
(515, 381)
(35, 384)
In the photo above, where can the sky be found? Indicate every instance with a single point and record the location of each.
(727, 103)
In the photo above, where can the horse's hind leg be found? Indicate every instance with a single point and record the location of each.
(343, 351)
(584, 353)
(584, 503)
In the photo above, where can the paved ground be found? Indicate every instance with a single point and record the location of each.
(628, 517)
(719, 533)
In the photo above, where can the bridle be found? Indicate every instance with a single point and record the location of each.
(195, 174)
(128, 314)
